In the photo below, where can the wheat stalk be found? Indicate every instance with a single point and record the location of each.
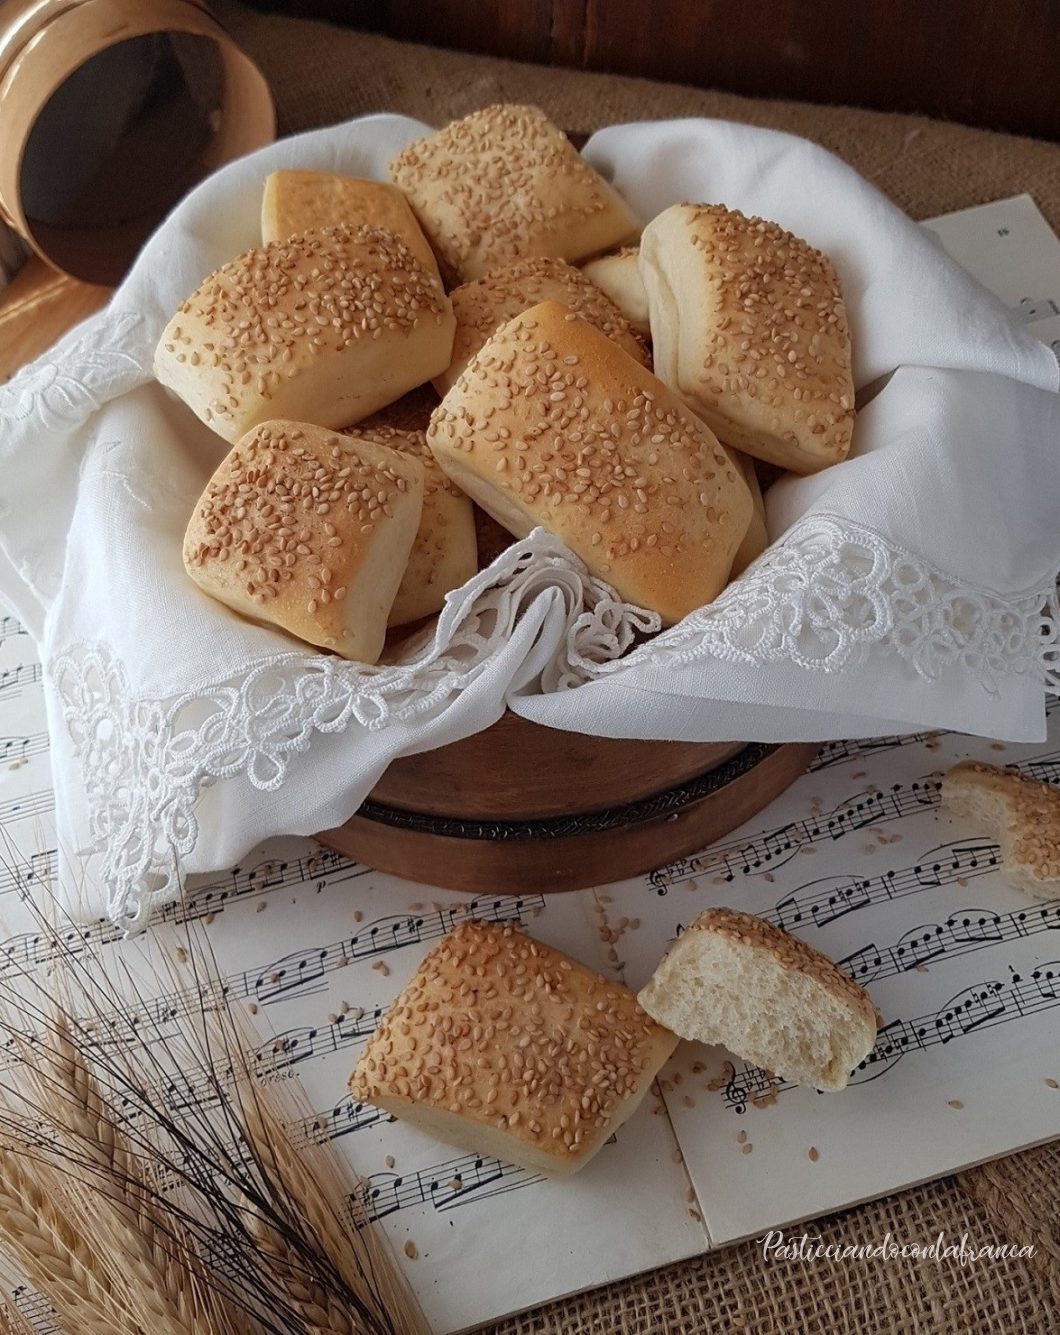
(355, 1257)
(37, 1234)
(157, 1272)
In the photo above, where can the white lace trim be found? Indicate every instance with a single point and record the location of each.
(833, 592)
(826, 597)
(144, 762)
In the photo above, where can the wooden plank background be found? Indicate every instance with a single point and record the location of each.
(984, 62)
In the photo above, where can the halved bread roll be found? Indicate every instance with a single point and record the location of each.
(325, 327)
(295, 201)
(769, 998)
(310, 531)
(505, 183)
(1022, 814)
(445, 552)
(482, 306)
(503, 1046)
(553, 424)
(748, 323)
(619, 276)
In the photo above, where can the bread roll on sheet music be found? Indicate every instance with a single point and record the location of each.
(748, 324)
(445, 553)
(505, 1047)
(553, 424)
(295, 201)
(1022, 814)
(505, 183)
(325, 327)
(769, 998)
(756, 539)
(308, 530)
(619, 276)
(482, 306)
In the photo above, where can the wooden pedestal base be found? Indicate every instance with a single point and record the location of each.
(465, 850)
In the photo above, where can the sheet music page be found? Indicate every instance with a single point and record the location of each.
(1014, 252)
(315, 947)
(855, 858)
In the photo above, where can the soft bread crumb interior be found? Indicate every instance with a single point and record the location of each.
(714, 990)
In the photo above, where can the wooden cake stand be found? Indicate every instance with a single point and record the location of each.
(523, 808)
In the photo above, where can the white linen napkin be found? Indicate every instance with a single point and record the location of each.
(908, 587)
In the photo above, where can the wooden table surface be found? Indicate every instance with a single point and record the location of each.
(36, 307)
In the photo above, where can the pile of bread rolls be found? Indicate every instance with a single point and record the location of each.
(351, 500)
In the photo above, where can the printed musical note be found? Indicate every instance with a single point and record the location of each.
(775, 847)
(444, 1186)
(25, 674)
(840, 753)
(17, 750)
(962, 932)
(346, 1117)
(821, 902)
(27, 806)
(303, 972)
(979, 1006)
(35, 1309)
(10, 627)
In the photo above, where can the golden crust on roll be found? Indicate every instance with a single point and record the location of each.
(310, 531)
(618, 276)
(748, 323)
(503, 1046)
(482, 306)
(505, 183)
(553, 424)
(325, 327)
(445, 552)
(296, 201)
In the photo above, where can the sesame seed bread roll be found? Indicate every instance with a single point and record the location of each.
(770, 999)
(326, 327)
(505, 183)
(502, 1046)
(748, 324)
(296, 201)
(618, 275)
(445, 552)
(553, 424)
(756, 539)
(309, 531)
(1022, 814)
(482, 306)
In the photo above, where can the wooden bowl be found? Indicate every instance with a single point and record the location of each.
(520, 808)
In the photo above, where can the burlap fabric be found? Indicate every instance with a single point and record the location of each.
(320, 75)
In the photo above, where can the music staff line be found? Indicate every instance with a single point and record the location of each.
(775, 847)
(16, 750)
(981, 1006)
(297, 974)
(320, 869)
(10, 627)
(27, 806)
(443, 1186)
(961, 934)
(842, 753)
(24, 674)
(832, 897)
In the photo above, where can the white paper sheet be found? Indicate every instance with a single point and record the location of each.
(855, 858)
